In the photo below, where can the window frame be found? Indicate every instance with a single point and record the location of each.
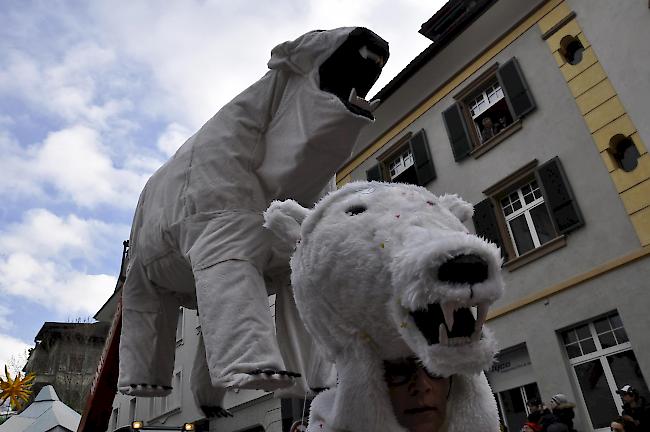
(498, 396)
(393, 152)
(423, 167)
(115, 417)
(476, 86)
(180, 324)
(600, 354)
(133, 404)
(496, 192)
(525, 211)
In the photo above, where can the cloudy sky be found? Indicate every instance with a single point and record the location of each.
(94, 96)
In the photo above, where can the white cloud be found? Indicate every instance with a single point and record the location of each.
(77, 165)
(5, 323)
(172, 138)
(43, 234)
(68, 88)
(75, 162)
(11, 349)
(53, 284)
(16, 175)
(37, 256)
(199, 64)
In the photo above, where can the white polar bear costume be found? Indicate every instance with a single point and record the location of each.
(197, 237)
(387, 271)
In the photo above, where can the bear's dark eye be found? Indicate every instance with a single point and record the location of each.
(355, 210)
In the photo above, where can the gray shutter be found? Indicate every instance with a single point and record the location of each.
(461, 144)
(518, 96)
(485, 223)
(374, 173)
(424, 169)
(558, 196)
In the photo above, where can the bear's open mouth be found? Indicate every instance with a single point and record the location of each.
(353, 69)
(450, 324)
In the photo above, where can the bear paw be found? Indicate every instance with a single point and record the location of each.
(264, 379)
(145, 390)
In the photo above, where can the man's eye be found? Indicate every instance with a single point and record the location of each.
(355, 210)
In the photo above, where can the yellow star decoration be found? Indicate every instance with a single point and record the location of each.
(16, 389)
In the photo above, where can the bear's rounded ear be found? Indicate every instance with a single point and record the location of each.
(457, 206)
(284, 219)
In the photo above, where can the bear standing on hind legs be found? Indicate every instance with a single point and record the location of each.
(197, 238)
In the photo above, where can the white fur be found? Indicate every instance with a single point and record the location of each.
(356, 279)
(285, 217)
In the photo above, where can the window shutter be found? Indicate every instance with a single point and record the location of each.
(518, 96)
(424, 170)
(461, 143)
(485, 223)
(559, 197)
(374, 173)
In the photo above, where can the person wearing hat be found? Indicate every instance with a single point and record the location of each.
(540, 415)
(635, 408)
(563, 410)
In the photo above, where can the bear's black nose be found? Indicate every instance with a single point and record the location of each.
(464, 269)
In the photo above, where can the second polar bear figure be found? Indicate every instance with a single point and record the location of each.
(197, 238)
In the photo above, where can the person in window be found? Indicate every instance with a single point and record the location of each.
(501, 125)
(563, 410)
(419, 399)
(635, 408)
(488, 130)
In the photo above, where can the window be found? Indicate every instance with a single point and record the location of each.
(624, 152)
(602, 360)
(179, 326)
(571, 49)
(511, 403)
(76, 363)
(488, 110)
(175, 398)
(527, 213)
(115, 417)
(161, 405)
(527, 219)
(132, 404)
(408, 161)
(400, 163)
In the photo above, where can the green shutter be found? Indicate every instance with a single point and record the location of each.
(461, 144)
(558, 196)
(424, 169)
(374, 173)
(485, 223)
(518, 96)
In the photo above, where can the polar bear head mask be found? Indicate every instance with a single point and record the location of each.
(394, 265)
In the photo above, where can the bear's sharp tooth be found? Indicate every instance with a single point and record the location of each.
(442, 335)
(481, 312)
(361, 102)
(448, 311)
(353, 95)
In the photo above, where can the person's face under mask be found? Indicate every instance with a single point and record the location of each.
(419, 400)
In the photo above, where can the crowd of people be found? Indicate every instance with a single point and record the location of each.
(558, 414)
